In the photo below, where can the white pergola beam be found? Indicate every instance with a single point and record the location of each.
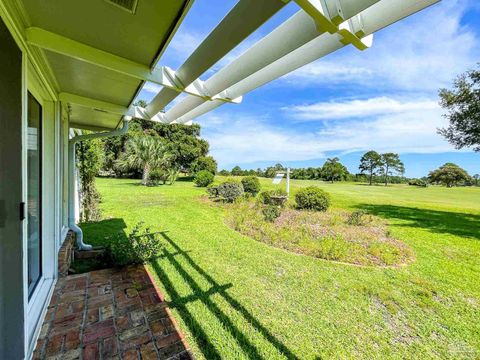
(245, 17)
(293, 33)
(374, 18)
(328, 14)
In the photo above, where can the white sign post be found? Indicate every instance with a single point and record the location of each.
(278, 179)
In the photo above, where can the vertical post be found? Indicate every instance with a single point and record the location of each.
(288, 182)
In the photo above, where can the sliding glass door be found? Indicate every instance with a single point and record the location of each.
(34, 193)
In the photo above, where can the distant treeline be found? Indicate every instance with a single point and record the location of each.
(374, 168)
(310, 173)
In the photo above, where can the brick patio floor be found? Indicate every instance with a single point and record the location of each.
(110, 314)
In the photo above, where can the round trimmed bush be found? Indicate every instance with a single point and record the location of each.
(230, 190)
(204, 178)
(312, 198)
(251, 185)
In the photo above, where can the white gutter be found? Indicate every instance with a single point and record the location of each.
(376, 17)
(71, 178)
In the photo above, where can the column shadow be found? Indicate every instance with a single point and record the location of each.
(178, 302)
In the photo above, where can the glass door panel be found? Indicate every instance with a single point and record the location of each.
(34, 192)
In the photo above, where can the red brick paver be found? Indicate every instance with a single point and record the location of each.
(110, 314)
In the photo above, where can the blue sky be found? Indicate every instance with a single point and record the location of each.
(349, 102)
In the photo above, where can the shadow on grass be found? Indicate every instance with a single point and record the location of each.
(179, 302)
(442, 222)
(98, 233)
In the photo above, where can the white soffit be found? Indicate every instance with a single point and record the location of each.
(140, 37)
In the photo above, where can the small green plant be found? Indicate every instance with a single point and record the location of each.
(271, 212)
(138, 247)
(172, 175)
(251, 185)
(276, 197)
(155, 177)
(358, 218)
(312, 198)
(230, 190)
(203, 178)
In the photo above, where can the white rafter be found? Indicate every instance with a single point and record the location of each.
(293, 33)
(245, 17)
(370, 20)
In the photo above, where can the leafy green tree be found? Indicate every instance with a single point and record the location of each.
(476, 179)
(334, 170)
(449, 175)
(146, 153)
(463, 111)
(370, 162)
(391, 163)
(272, 170)
(183, 143)
(205, 163)
(237, 171)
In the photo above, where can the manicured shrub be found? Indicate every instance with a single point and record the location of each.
(271, 212)
(204, 178)
(276, 197)
(138, 247)
(230, 190)
(251, 185)
(312, 198)
(417, 182)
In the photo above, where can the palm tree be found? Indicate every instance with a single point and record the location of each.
(146, 153)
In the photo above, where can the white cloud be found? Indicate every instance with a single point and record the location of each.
(421, 53)
(357, 108)
(244, 138)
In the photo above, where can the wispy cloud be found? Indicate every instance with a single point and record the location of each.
(357, 108)
(245, 138)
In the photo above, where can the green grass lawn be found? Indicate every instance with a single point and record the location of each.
(236, 298)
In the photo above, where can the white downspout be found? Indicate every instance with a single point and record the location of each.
(71, 178)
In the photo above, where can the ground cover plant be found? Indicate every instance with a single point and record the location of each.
(238, 298)
(335, 235)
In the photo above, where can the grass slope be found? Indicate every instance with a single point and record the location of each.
(236, 298)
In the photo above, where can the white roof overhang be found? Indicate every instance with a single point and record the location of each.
(79, 37)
